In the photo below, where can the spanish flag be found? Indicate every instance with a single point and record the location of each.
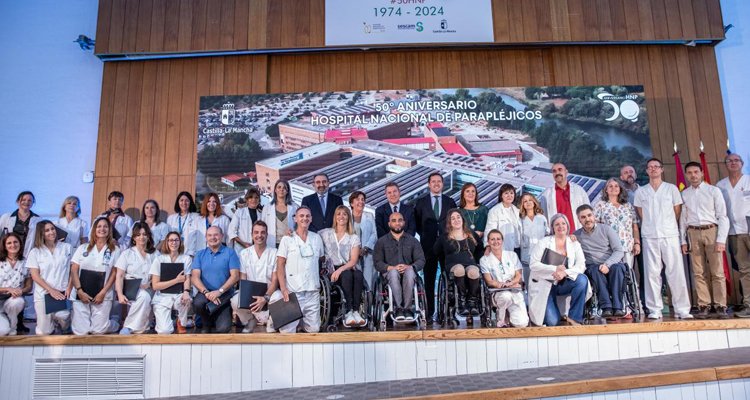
(680, 181)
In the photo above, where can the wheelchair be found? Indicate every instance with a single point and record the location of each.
(489, 318)
(333, 305)
(631, 300)
(382, 310)
(447, 299)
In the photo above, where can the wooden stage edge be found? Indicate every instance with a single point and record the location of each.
(602, 385)
(366, 336)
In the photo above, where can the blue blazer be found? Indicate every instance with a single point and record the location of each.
(321, 219)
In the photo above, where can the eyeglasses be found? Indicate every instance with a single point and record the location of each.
(733, 161)
(653, 167)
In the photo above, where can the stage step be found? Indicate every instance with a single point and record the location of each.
(564, 380)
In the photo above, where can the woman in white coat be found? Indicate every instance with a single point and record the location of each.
(70, 221)
(91, 310)
(364, 226)
(547, 282)
(240, 228)
(185, 221)
(14, 283)
(279, 214)
(172, 251)
(150, 213)
(49, 264)
(211, 215)
(135, 263)
(22, 221)
(504, 217)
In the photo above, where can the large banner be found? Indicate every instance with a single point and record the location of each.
(357, 22)
(364, 139)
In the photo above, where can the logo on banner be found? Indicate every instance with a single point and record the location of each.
(370, 28)
(443, 24)
(628, 108)
(227, 114)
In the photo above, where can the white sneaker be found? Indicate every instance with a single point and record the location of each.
(684, 316)
(349, 319)
(654, 315)
(249, 327)
(358, 318)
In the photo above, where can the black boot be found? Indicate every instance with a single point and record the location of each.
(461, 286)
(21, 328)
(474, 287)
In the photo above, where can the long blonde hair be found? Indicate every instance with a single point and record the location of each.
(349, 224)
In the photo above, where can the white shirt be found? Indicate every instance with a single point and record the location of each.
(123, 223)
(97, 261)
(187, 227)
(76, 228)
(338, 251)
(704, 205)
(301, 261)
(185, 259)
(135, 265)
(159, 232)
(54, 268)
(659, 219)
(258, 269)
(501, 271)
(13, 276)
(507, 221)
(531, 233)
(737, 199)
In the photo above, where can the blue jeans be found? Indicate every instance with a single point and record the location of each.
(577, 291)
(608, 286)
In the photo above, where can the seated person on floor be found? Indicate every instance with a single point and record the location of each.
(502, 272)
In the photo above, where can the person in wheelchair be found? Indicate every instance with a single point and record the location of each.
(502, 272)
(603, 251)
(342, 247)
(398, 257)
(459, 246)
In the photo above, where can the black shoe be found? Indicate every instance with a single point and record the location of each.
(21, 328)
(472, 306)
(399, 315)
(620, 313)
(607, 313)
(703, 312)
(463, 310)
(721, 313)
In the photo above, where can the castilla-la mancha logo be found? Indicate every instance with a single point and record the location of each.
(628, 108)
(227, 114)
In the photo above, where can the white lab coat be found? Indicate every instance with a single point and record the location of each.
(76, 229)
(221, 221)
(269, 217)
(93, 318)
(187, 227)
(164, 303)
(540, 284)
(54, 268)
(578, 197)
(7, 222)
(257, 269)
(241, 227)
(137, 267)
(368, 237)
(507, 221)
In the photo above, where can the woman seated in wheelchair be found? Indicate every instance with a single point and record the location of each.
(563, 279)
(502, 273)
(458, 244)
(342, 247)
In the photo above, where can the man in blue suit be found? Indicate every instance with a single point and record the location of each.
(322, 204)
(394, 204)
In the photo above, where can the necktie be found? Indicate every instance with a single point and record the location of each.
(436, 207)
(395, 209)
(322, 203)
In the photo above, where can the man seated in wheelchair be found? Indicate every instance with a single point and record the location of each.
(503, 274)
(342, 248)
(604, 267)
(398, 257)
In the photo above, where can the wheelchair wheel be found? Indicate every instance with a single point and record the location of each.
(421, 300)
(633, 295)
(325, 301)
(443, 303)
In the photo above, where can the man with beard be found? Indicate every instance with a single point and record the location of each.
(627, 178)
(399, 256)
(564, 197)
(322, 203)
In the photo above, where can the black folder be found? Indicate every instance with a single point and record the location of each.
(551, 257)
(92, 282)
(285, 312)
(52, 305)
(130, 288)
(168, 272)
(224, 299)
(249, 289)
(62, 234)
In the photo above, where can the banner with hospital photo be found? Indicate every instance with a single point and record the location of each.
(365, 139)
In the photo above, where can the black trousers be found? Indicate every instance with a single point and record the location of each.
(220, 321)
(430, 272)
(352, 283)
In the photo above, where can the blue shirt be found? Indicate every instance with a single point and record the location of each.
(215, 267)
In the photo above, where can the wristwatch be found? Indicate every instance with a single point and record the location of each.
(186, 290)
(266, 298)
(221, 291)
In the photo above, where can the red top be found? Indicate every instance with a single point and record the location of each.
(562, 197)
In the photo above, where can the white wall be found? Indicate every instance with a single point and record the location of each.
(733, 57)
(49, 102)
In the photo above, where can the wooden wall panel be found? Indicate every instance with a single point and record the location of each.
(153, 26)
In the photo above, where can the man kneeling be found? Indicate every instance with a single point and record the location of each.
(399, 256)
(604, 267)
(298, 271)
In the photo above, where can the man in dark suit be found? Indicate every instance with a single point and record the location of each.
(430, 211)
(394, 204)
(322, 204)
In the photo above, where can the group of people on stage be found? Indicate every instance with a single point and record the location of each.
(286, 246)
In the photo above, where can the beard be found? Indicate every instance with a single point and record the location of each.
(397, 230)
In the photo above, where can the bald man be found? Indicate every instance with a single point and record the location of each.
(564, 197)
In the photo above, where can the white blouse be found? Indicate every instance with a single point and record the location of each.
(54, 268)
(135, 265)
(76, 229)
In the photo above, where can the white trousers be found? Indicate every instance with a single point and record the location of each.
(9, 314)
(246, 315)
(163, 304)
(309, 303)
(514, 305)
(92, 318)
(139, 312)
(668, 252)
(45, 323)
